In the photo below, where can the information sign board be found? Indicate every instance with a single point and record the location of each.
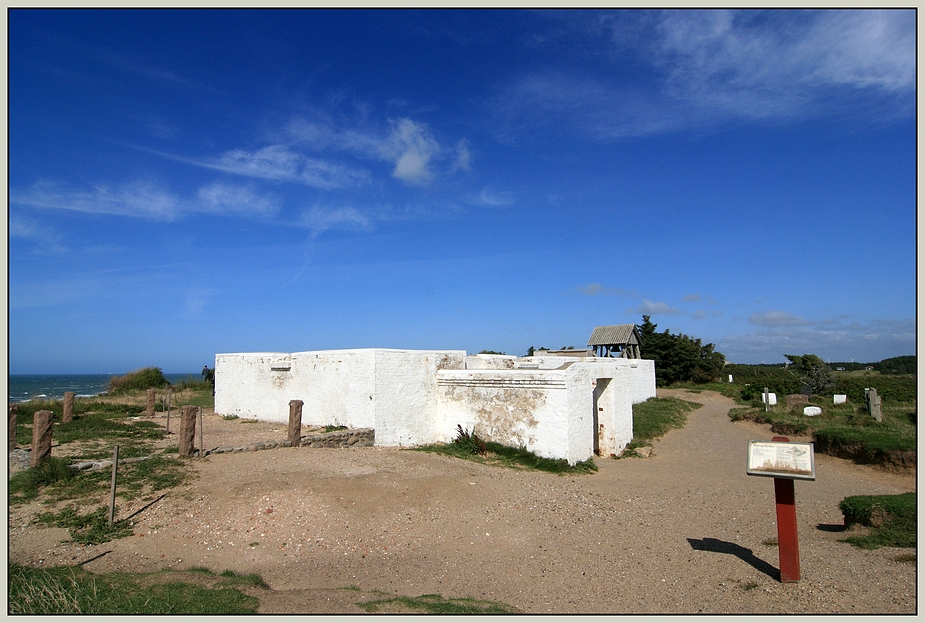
(781, 459)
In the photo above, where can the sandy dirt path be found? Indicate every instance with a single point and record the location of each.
(685, 531)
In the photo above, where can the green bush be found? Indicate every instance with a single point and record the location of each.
(468, 442)
(894, 388)
(142, 379)
(27, 484)
(891, 517)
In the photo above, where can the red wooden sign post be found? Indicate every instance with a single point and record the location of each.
(784, 463)
(788, 546)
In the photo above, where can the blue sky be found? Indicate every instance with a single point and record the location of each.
(184, 183)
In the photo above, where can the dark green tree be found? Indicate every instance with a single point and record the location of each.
(679, 358)
(811, 371)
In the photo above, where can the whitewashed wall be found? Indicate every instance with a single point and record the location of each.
(511, 407)
(335, 386)
(546, 404)
(405, 397)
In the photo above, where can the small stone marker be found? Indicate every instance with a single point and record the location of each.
(14, 411)
(41, 436)
(187, 429)
(873, 404)
(769, 398)
(68, 407)
(840, 399)
(812, 411)
(295, 423)
(796, 399)
(151, 396)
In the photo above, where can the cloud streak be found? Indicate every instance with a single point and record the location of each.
(716, 66)
(871, 341)
(136, 199)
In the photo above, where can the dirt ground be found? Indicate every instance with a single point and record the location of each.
(684, 531)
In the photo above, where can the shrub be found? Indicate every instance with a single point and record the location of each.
(25, 485)
(891, 517)
(141, 379)
(469, 442)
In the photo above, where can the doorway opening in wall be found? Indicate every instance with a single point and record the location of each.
(600, 414)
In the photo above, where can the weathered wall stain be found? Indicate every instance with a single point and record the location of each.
(503, 415)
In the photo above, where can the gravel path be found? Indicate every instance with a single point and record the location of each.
(682, 532)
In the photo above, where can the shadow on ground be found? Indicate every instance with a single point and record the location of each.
(746, 555)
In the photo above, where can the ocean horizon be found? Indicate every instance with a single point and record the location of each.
(26, 387)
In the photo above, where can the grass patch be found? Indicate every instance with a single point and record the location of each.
(655, 417)
(55, 481)
(90, 529)
(436, 604)
(891, 518)
(252, 579)
(845, 430)
(467, 445)
(71, 590)
(52, 472)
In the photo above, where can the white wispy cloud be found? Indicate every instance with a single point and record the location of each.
(871, 340)
(319, 220)
(235, 199)
(651, 308)
(776, 319)
(411, 147)
(47, 239)
(596, 289)
(281, 163)
(493, 198)
(709, 67)
(135, 199)
(463, 156)
(758, 64)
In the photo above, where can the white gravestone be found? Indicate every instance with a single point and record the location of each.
(841, 399)
(811, 411)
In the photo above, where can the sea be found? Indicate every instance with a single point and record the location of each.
(25, 387)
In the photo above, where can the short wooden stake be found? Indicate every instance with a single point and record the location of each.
(873, 404)
(112, 486)
(68, 413)
(187, 430)
(168, 410)
(151, 397)
(295, 423)
(788, 546)
(14, 411)
(202, 448)
(42, 423)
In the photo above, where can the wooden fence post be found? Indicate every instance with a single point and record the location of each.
(151, 396)
(873, 404)
(187, 430)
(112, 486)
(68, 407)
(295, 423)
(202, 447)
(168, 410)
(14, 411)
(42, 423)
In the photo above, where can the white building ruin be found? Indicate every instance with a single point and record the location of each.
(562, 407)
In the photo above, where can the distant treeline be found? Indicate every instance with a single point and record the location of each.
(894, 365)
(896, 380)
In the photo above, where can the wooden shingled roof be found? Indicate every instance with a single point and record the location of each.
(614, 334)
